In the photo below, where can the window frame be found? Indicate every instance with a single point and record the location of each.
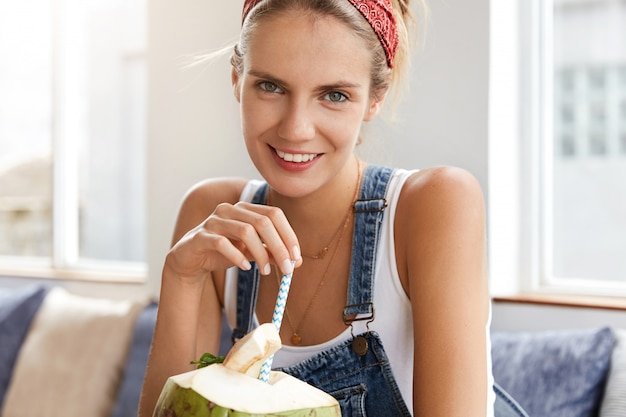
(520, 156)
(64, 262)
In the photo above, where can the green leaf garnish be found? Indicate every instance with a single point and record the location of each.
(207, 359)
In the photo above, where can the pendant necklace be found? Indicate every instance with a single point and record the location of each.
(296, 339)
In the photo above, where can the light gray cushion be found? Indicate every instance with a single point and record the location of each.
(554, 374)
(73, 356)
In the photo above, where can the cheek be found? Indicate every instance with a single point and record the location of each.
(254, 118)
(344, 127)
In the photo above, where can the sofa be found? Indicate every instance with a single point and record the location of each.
(67, 355)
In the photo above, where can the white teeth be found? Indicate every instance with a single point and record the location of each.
(296, 157)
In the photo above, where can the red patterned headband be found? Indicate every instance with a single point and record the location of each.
(379, 15)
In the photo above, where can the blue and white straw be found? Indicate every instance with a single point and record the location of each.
(277, 319)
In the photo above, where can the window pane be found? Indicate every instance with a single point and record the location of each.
(110, 58)
(73, 83)
(25, 120)
(589, 164)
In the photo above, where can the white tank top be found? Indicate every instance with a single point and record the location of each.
(393, 321)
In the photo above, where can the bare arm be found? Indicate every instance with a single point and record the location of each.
(444, 257)
(213, 232)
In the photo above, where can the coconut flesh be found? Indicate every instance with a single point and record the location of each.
(233, 388)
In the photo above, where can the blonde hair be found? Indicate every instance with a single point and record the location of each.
(383, 78)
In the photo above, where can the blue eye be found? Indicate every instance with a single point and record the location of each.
(336, 97)
(269, 87)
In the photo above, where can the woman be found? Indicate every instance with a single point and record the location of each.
(386, 263)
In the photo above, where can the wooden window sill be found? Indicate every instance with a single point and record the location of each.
(566, 300)
(84, 275)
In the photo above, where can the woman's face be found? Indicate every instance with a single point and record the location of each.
(304, 93)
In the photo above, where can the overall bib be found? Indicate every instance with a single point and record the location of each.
(356, 372)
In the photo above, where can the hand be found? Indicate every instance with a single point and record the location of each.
(236, 235)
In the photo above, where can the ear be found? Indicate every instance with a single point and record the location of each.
(234, 77)
(376, 103)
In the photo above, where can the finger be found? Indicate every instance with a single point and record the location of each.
(228, 250)
(241, 235)
(269, 238)
(200, 250)
(264, 230)
(277, 235)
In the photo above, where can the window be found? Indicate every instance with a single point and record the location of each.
(72, 136)
(557, 174)
(572, 159)
(584, 206)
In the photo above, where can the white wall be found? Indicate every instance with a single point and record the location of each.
(514, 317)
(193, 118)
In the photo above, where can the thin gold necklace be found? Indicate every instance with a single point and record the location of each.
(296, 339)
(321, 254)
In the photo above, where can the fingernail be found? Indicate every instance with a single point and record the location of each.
(287, 266)
(295, 252)
(245, 265)
(267, 269)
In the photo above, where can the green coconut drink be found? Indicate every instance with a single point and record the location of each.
(233, 388)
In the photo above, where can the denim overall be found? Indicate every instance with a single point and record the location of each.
(356, 372)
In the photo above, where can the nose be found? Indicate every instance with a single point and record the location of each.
(297, 123)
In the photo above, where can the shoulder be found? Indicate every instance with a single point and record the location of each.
(439, 229)
(209, 193)
(202, 198)
(435, 192)
(439, 206)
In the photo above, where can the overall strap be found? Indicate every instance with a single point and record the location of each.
(369, 211)
(248, 286)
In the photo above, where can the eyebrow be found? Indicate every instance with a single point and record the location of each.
(341, 84)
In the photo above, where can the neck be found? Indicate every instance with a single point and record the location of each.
(317, 215)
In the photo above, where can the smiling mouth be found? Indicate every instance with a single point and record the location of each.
(296, 157)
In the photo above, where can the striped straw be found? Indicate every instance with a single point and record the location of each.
(277, 319)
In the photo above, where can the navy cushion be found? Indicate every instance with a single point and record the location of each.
(18, 307)
(127, 401)
(554, 373)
